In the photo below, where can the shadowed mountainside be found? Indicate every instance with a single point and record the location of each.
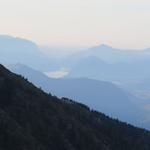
(99, 95)
(31, 119)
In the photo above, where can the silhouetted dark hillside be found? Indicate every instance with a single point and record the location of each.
(99, 95)
(33, 120)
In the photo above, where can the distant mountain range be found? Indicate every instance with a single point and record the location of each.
(33, 120)
(115, 55)
(110, 55)
(99, 95)
(127, 68)
(102, 60)
(18, 50)
(93, 67)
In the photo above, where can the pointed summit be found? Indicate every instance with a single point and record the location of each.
(104, 46)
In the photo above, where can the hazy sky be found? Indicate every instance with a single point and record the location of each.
(120, 23)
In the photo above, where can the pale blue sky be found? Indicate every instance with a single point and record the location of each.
(120, 23)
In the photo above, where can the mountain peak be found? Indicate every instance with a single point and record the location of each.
(105, 46)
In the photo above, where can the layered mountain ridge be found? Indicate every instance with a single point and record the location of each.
(31, 119)
(99, 95)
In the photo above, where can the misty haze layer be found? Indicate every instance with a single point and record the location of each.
(128, 69)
